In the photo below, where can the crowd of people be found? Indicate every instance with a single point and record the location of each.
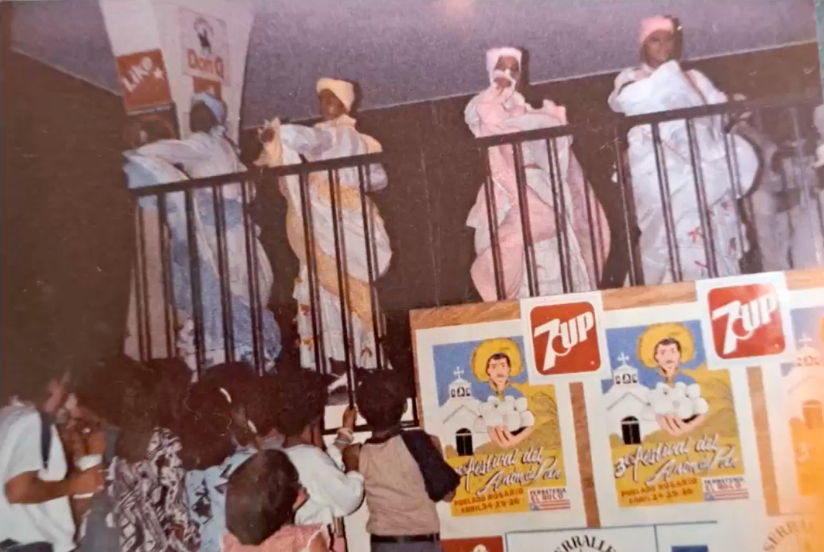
(132, 456)
(128, 456)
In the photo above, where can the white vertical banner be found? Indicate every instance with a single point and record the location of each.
(203, 45)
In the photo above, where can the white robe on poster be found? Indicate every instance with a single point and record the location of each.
(643, 90)
(333, 140)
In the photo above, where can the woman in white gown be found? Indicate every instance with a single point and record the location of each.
(501, 109)
(335, 137)
(207, 152)
(660, 84)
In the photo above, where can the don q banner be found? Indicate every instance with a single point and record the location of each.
(168, 51)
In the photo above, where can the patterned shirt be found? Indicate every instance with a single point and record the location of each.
(206, 492)
(150, 499)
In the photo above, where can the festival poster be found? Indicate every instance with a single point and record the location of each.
(679, 537)
(511, 442)
(745, 320)
(795, 393)
(678, 436)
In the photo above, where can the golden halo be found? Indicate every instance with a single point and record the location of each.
(482, 353)
(655, 333)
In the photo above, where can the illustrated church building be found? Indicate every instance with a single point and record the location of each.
(458, 415)
(624, 404)
(804, 386)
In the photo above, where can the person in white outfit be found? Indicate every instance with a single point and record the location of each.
(502, 109)
(659, 83)
(333, 138)
(208, 152)
(36, 485)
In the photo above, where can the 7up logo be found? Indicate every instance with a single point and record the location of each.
(564, 338)
(746, 321)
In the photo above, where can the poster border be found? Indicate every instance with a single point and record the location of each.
(477, 526)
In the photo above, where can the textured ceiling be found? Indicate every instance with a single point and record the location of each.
(411, 50)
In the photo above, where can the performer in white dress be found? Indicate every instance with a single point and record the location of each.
(660, 84)
(208, 152)
(501, 109)
(335, 137)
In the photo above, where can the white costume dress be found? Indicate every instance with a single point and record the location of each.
(203, 155)
(643, 90)
(332, 140)
(491, 113)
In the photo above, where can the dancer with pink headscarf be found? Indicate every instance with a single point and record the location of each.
(660, 84)
(502, 109)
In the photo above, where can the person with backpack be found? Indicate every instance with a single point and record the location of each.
(37, 482)
(404, 472)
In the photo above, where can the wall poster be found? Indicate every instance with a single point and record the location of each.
(677, 434)
(205, 43)
(512, 442)
(143, 80)
(678, 537)
(794, 392)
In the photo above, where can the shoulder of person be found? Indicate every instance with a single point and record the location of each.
(628, 75)
(304, 453)
(372, 145)
(19, 418)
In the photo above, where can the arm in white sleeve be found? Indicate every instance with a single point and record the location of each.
(174, 152)
(343, 492)
(377, 175)
(306, 140)
(707, 88)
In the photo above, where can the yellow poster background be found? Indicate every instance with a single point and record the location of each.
(684, 484)
(497, 480)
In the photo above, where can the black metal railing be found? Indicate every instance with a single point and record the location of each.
(773, 129)
(173, 240)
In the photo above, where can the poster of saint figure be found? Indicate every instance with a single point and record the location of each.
(672, 427)
(672, 440)
(802, 389)
(506, 438)
(793, 389)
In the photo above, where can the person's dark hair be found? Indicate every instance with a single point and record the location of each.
(102, 386)
(173, 377)
(29, 383)
(201, 118)
(381, 398)
(213, 413)
(302, 397)
(260, 496)
(667, 341)
(260, 404)
(139, 415)
(499, 356)
(678, 43)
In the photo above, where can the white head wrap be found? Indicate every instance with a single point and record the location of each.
(493, 55)
(345, 91)
(215, 106)
(654, 24)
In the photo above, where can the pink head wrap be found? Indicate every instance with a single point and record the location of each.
(493, 55)
(654, 24)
